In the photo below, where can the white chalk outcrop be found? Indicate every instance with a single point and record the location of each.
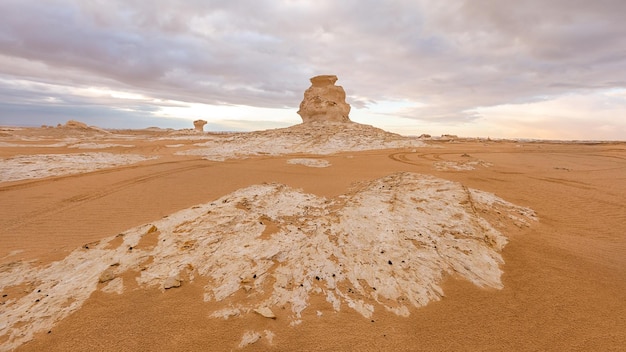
(311, 138)
(325, 129)
(324, 102)
(386, 244)
(23, 167)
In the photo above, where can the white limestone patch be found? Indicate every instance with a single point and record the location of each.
(386, 244)
(461, 166)
(99, 145)
(316, 139)
(249, 337)
(309, 162)
(23, 167)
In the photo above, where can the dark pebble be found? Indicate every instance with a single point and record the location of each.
(317, 278)
(254, 276)
(390, 263)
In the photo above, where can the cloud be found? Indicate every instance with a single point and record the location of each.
(446, 58)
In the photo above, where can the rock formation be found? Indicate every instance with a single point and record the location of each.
(76, 124)
(324, 101)
(199, 125)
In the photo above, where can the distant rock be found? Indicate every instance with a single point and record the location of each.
(75, 124)
(199, 125)
(73, 127)
(324, 101)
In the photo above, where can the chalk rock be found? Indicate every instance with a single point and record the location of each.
(199, 125)
(324, 101)
(107, 275)
(265, 312)
(171, 282)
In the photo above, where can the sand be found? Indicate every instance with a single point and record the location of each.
(552, 275)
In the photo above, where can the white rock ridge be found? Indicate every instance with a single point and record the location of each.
(386, 244)
(306, 138)
(22, 167)
(324, 101)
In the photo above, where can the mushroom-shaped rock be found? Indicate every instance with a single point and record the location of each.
(324, 101)
(199, 125)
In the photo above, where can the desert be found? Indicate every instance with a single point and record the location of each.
(326, 235)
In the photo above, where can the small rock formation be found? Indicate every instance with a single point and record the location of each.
(199, 125)
(75, 124)
(324, 101)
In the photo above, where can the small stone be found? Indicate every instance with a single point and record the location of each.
(107, 275)
(171, 282)
(265, 312)
(152, 229)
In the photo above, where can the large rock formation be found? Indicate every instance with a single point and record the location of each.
(324, 101)
(199, 125)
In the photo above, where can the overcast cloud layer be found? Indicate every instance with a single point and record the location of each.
(541, 69)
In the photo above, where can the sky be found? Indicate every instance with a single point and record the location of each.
(546, 69)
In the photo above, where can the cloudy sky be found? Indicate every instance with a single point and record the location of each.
(528, 69)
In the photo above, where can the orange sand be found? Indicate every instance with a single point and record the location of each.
(564, 277)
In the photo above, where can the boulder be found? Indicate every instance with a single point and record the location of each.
(324, 101)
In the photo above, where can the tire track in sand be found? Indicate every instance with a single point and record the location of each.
(79, 199)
